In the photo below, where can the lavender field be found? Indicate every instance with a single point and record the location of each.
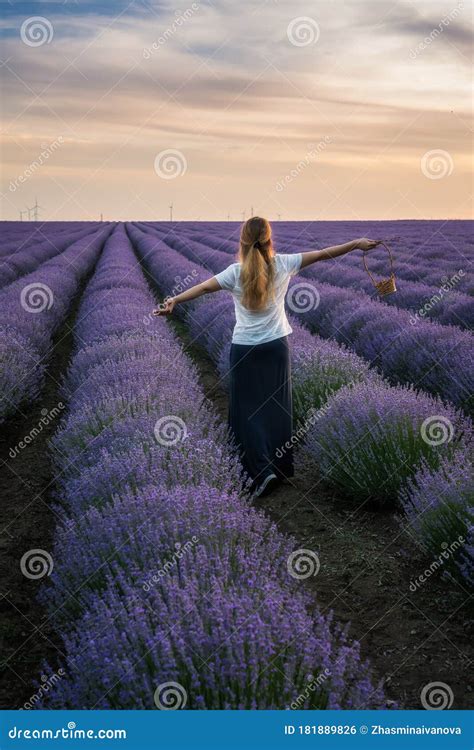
(138, 571)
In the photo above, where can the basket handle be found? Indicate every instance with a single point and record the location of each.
(391, 264)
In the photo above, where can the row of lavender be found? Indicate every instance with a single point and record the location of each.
(425, 250)
(32, 310)
(432, 357)
(18, 235)
(168, 588)
(31, 252)
(366, 437)
(438, 292)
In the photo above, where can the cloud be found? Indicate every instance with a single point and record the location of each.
(229, 88)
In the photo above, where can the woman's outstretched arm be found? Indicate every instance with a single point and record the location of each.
(312, 256)
(206, 287)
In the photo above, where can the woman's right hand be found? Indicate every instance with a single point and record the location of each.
(166, 307)
(366, 244)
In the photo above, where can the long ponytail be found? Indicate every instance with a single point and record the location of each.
(256, 255)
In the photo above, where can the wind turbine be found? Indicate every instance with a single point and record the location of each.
(171, 211)
(35, 209)
(21, 214)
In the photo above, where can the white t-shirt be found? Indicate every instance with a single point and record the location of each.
(264, 325)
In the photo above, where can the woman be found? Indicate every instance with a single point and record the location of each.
(260, 403)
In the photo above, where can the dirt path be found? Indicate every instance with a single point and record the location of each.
(27, 523)
(412, 638)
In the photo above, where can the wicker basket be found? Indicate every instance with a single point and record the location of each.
(384, 286)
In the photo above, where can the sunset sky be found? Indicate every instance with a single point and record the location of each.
(342, 109)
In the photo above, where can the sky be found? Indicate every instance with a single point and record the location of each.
(341, 109)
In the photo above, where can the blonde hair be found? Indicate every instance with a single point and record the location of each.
(256, 256)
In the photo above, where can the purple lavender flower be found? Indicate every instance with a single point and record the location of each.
(439, 512)
(371, 438)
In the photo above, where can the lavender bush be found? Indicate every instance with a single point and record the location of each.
(31, 311)
(319, 367)
(394, 449)
(30, 255)
(130, 498)
(371, 439)
(439, 512)
(407, 350)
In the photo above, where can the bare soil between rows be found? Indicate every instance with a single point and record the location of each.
(27, 522)
(412, 638)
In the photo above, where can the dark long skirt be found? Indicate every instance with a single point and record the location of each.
(261, 408)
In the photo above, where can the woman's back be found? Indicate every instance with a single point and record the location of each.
(259, 326)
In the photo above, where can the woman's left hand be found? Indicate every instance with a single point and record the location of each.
(166, 308)
(366, 244)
